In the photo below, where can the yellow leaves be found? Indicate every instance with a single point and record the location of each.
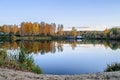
(7, 45)
(29, 29)
(15, 29)
(10, 28)
(36, 28)
(6, 29)
(106, 32)
(0, 28)
(60, 30)
(14, 38)
(15, 45)
(74, 31)
(36, 47)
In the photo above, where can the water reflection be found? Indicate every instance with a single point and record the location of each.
(52, 46)
(66, 57)
(39, 47)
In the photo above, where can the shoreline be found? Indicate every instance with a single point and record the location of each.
(10, 74)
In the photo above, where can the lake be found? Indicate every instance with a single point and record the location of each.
(68, 57)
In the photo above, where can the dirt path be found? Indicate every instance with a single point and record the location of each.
(7, 74)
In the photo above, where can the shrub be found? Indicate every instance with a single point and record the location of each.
(113, 67)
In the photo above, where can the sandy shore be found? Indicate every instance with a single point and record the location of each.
(7, 74)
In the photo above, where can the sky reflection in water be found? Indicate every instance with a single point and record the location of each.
(84, 58)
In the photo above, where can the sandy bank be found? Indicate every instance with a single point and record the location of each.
(7, 74)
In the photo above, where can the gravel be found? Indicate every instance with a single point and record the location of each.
(8, 74)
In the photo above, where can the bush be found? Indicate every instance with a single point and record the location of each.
(36, 69)
(113, 67)
(24, 63)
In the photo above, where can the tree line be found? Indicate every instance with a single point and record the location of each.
(113, 33)
(46, 29)
(33, 29)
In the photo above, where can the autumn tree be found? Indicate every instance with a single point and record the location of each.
(29, 29)
(42, 24)
(45, 30)
(74, 31)
(54, 28)
(36, 29)
(14, 29)
(6, 29)
(60, 30)
(106, 32)
(22, 30)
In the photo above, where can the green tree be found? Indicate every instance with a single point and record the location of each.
(115, 31)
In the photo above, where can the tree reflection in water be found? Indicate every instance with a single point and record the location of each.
(17, 54)
(53, 46)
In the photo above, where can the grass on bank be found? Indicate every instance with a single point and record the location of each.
(24, 63)
(113, 67)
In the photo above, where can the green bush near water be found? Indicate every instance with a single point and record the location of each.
(24, 63)
(113, 67)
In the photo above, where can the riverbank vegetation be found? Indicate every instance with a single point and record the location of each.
(107, 34)
(21, 61)
(45, 31)
(113, 67)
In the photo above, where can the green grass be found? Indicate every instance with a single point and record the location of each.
(113, 67)
(24, 63)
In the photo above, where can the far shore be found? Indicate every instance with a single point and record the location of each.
(10, 74)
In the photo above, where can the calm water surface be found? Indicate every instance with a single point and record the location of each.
(70, 57)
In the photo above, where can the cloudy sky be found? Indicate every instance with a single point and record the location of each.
(78, 13)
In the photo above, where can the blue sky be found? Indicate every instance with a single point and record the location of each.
(95, 13)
